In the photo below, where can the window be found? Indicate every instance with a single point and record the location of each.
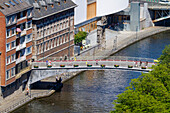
(8, 20)
(29, 13)
(8, 60)
(22, 40)
(29, 38)
(8, 33)
(13, 58)
(8, 46)
(22, 53)
(38, 49)
(13, 19)
(28, 50)
(12, 44)
(12, 71)
(13, 31)
(7, 74)
(29, 24)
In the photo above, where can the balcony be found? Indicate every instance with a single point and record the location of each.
(21, 46)
(20, 59)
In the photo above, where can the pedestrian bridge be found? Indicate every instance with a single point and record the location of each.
(44, 69)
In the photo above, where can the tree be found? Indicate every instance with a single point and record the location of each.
(81, 35)
(150, 93)
(165, 57)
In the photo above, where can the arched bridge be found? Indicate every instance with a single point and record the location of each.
(44, 69)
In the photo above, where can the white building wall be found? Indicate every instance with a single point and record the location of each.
(106, 7)
(80, 11)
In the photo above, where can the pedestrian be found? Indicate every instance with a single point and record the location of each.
(140, 62)
(60, 80)
(96, 62)
(27, 91)
(49, 62)
(46, 62)
(61, 58)
(146, 63)
(56, 79)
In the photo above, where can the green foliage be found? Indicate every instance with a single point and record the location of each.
(79, 37)
(165, 57)
(150, 93)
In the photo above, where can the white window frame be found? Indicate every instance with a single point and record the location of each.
(30, 25)
(30, 39)
(14, 44)
(30, 50)
(9, 47)
(13, 19)
(7, 33)
(14, 31)
(14, 58)
(13, 74)
(8, 62)
(8, 20)
(7, 76)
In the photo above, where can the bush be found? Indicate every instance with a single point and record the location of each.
(81, 35)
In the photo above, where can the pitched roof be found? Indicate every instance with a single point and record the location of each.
(9, 7)
(49, 7)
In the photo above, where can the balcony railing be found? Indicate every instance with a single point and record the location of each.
(20, 59)
(21, 46)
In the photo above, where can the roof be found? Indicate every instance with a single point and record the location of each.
(9, 7)
(44, 8)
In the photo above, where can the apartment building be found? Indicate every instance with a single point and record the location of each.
(53, 28)
(15, 39)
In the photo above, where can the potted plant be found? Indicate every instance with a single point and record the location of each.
(49, 66)
(76, 65)
(102, 65)
(143, 67)
(116, 65)
(62, 65)
(130, 66)
(35, 66)
(89, 65)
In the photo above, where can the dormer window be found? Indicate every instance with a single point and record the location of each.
(6, 4)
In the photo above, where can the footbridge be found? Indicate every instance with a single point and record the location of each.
(54, 66)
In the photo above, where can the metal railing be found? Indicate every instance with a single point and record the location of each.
(25, 100)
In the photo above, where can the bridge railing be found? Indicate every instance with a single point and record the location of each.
(83, 58)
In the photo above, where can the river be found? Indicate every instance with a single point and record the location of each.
(94, 91)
